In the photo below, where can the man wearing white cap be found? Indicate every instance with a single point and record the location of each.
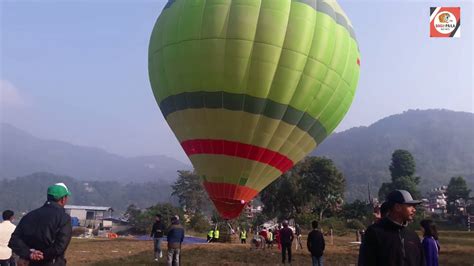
(42, 236)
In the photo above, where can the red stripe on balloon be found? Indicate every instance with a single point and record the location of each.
(229, 191)
(358, 61)
(237, 149)
(229, 199)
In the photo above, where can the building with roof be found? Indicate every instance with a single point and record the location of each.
(437, 200)
(88, 216)
(251, 210)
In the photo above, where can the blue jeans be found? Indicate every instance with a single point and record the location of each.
(317, 261)
(173, 256)
(157, 246)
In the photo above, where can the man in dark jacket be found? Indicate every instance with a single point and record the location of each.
(316, 245)
(389, 241)
(157, 233)
(42, 236)
(175, 238)
(286, 238)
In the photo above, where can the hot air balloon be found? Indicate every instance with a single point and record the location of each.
(250, 87)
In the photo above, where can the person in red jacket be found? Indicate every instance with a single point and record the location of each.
(277, 237)
(263, 233)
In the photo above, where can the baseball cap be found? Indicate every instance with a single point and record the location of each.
(58, 190)
(401, 197)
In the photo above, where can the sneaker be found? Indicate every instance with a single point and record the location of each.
(161, 254)
(156, 259)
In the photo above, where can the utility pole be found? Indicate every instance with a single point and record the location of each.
(369, 195)
(469, 223)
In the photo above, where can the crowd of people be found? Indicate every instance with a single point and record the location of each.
(43, 235)
(388, 241)
(283, 236)
(213, 235)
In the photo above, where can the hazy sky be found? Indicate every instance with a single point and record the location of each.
(77, 70)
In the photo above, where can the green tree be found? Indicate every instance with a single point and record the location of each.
(457, 189)
(323, 184)
(403, 164)
(402, 170)
(284, 198)
(312, 186)
(356, 210)
(190, 192)
(199, 223)
(142, 220)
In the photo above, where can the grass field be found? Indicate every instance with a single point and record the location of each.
(457, 248)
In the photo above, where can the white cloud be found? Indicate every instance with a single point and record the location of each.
(10, 96)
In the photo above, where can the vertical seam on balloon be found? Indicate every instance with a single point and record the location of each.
(314, 97)
(229, 10)
(203, 8)
(330, 125)
(351, 94)
(251, 165)
(162, 51)
(186, 129)
(329, 68)
(341, 108)
(240, 85)
(296, 88)
(340, 80)
(257, 182)
(265, 170)
(206, 120)
(295, 146)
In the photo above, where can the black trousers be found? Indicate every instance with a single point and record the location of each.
(59, 261)
(9, 262)
(284, 248)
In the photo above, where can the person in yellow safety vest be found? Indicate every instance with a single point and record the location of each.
(270, 238)
(210, 235)
(243, 236)
(216, 235)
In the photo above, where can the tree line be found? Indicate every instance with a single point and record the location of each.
(312, 190)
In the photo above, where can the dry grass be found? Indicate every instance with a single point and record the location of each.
(456, 249)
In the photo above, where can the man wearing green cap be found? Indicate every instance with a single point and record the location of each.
(42, 236)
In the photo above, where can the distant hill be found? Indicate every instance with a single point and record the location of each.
(22, 154)
(25, 193)
(441, 141)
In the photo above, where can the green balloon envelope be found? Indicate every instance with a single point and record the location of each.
(250, 87)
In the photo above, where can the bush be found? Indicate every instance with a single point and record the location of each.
(78, 231)
(142, 221)
(199, 223)
(355, 224)
(305, 219)
(338, 226)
